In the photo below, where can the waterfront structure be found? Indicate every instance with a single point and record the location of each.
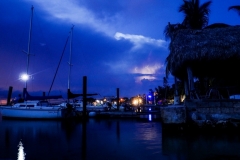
(211, 56)
(206, 54)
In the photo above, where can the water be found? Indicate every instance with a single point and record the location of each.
(110, 139)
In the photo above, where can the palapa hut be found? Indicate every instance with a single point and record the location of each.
(210, 52)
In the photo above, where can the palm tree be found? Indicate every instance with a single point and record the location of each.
(169, 34)
(171, 28)
(196, 15)
(236, 8)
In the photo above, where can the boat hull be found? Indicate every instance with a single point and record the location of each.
(25, 113)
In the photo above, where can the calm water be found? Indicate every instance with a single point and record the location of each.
(110, 139)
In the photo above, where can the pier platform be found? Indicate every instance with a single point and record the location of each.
(127, 114)
(147, 112)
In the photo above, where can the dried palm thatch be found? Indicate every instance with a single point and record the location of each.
(210, 52)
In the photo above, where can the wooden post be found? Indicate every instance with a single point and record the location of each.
(190, 79)
(24, 95)
(84, 96)
(9, 95)
(176, 95)
(118, 99)
(186, 88)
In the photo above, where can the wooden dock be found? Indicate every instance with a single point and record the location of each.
(146, 112)
(128, 114)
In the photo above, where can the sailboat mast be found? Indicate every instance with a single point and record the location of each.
(29, 43)
(70, 57)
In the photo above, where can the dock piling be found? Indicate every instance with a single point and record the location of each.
(84, 96)
(118, 99)
(9, 95)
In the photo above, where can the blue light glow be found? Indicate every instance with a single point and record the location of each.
(150, 117)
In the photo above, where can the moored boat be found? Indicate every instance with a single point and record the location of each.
(32, 109)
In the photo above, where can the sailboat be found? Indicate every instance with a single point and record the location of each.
(71, 97)
(34, 107)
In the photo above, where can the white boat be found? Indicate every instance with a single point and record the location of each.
(92, 108)
(78, 106)
(71, 101)
(33, 110)
(97, 108)
(35, 107)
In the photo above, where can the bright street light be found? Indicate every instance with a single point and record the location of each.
(24, 77)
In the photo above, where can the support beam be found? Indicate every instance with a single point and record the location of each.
(186, 88)
(190, 79)
(118, 99)
(176, 95)
(9, 95)
(84, 96)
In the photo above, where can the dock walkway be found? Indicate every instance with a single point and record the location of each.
(152, 112)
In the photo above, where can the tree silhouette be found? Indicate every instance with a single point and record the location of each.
(236, 8)
(195, 15)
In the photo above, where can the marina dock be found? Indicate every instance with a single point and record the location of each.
(128, 114)
(145, 112)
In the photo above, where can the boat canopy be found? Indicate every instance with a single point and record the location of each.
(27, 96)
(75, 95)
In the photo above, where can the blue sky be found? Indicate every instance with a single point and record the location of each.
(116, 44)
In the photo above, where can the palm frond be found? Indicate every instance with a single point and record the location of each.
(170, 29)
(196, 15)
(236, 8)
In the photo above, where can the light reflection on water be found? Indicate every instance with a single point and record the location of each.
(148, 134)
(95, 139)
(21, 153)
(150, 117)
(110, 139)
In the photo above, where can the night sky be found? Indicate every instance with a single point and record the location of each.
(116, 44)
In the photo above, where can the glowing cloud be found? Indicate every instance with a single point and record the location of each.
(147, 72)
(72, 11)
(147, 69)
(140, 78)
(139, 40)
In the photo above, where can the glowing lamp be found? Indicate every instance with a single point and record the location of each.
(135, 102)
(24, 77)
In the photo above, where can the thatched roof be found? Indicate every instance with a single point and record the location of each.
(210, 52)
